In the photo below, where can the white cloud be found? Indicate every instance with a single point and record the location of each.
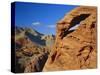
(51, 26)
(39, 24)
(36, 23)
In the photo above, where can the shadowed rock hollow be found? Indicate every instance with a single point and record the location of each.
(75, 48)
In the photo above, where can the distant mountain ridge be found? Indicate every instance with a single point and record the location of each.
(33, 35)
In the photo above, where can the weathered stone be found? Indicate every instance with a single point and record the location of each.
(75, 49)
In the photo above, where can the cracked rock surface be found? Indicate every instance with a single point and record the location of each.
(75, 47)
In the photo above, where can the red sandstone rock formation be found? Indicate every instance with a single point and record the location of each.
(75, 48)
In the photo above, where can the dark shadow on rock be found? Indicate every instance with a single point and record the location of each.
(36, 39)
(18, 68)
(41, 62)
(76, 20)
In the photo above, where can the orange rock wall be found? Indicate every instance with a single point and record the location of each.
(75, 49)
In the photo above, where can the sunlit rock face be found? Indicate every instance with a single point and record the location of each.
(75, 46)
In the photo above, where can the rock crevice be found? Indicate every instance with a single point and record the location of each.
(75, 48)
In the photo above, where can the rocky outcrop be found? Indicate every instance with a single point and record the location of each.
(75, 47)
(31, 51)
(30, 57)
(36, 63)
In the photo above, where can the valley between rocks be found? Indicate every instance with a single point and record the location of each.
(32, 49)
(72, 48)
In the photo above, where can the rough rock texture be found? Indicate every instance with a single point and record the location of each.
(30, 54)
(75, 48)
(30, 57)
(36, 63)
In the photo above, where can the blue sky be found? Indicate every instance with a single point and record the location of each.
(41, 17)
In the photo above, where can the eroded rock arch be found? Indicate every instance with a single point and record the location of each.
(67, 54)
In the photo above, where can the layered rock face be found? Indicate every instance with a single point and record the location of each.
(30, 57)
(31, 50)
(75, 44)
